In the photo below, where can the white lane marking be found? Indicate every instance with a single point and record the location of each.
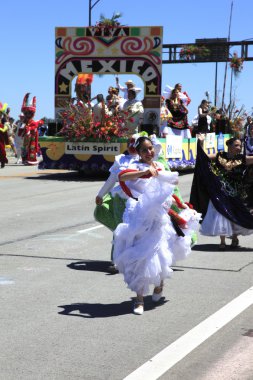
(176, 351)
(89, 229)
(6, 281)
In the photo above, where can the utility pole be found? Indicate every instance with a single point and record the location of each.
(91, 6)
(226, 66)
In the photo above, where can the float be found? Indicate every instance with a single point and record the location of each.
(109, 49)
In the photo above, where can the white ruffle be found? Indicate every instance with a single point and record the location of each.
(146, 244)
(215, 224)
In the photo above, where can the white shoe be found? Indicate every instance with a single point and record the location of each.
(157, 296)
(138, 308)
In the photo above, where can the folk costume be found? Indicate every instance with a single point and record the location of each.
(218, 192)
(178, 124)
(146, 244)
(248, 150)
(3, 141)
(165, 115)
(30, 132)
(182, 95)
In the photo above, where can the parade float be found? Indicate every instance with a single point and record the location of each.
(98, 50)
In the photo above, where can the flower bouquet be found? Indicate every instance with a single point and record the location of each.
(236, 64)
(188, 52)
(79, 124)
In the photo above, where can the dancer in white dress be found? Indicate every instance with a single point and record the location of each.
(146, 243)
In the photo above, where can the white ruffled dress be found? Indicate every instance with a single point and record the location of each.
(215, 224)
(146, 244)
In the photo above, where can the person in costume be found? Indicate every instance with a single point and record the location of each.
(3, 142)
(218, 192)
(248, 150)
(29, 133)
(146, 244)
(18, 138)
(110, 200)
(10, 131)
(83, 89)
(3, 134)
(202, 121)
(100, 110)
(182, 94)
(178, 124)
(165, 115)
(248, 141)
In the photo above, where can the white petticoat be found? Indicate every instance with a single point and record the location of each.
(146, 244)
(215, 224)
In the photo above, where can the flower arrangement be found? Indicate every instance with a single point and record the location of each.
(189, 51)
(108, 23)
(237, 121)
(79, 124)
(236, 63)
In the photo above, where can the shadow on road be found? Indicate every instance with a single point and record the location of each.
(69, 176)
(98, 310)
(91, 265)
(215, 248)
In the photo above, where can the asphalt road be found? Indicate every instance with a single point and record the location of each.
(63, 316)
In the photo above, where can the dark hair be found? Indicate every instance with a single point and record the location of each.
(100, 98)
(132, 91)
(140, 141)
(231, 141)
(85, 98)
(173, 92)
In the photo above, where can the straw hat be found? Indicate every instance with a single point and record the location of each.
(130, 82)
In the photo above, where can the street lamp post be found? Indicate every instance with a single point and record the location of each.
(91, 6)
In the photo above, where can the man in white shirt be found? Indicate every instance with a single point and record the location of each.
(135, 112)
(129, 86)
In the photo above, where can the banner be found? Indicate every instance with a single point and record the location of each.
(102, 149)
(174, 145)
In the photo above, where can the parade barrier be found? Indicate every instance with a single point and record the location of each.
(93, 157)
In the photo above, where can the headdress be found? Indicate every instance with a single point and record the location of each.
(28, 105)
(130, 82)
(84, 79)
(3, 107)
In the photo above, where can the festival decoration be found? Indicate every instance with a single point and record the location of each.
(28, 105)
(79, 125)
(188, 52)
(236, 64)
(109, 22)
(84, 79)
(3, 107)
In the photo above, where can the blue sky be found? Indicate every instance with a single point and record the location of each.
(27, 47)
